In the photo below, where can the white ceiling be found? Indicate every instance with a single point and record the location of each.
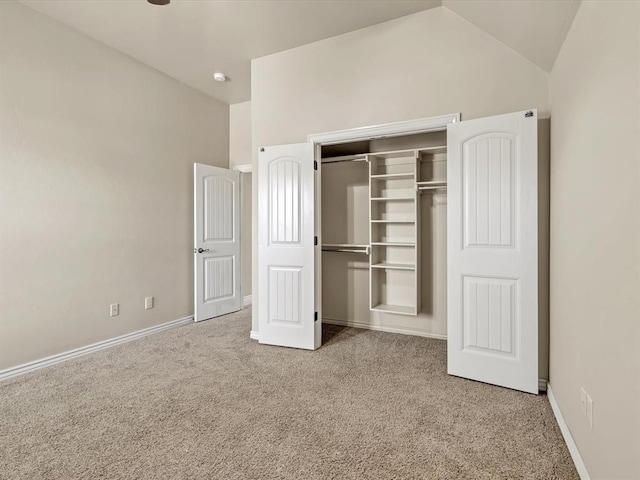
(189, 40)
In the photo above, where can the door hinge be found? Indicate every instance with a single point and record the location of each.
(315, 241)
(315, 316)
(528, 114)
(315, 165)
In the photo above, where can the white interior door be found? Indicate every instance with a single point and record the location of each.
(216, 245)
(286, 284)
(492, 192)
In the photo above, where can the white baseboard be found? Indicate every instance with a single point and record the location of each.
(61, 357)
(247, 300)
(350, 323)
(254, 335)
(568, 438)
(542, 384)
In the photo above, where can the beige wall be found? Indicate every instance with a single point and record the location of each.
(240, 134)
(422, 65)
(595, 234)
(240, 154)
(96, 161)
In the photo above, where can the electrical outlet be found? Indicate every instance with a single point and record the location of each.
(583, 401)
(148, 303)
(114, 310)
(590, 410)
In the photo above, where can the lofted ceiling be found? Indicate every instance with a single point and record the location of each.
(189, 40)
(534, 28)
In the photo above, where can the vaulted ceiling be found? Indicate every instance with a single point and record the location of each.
(190, 40)
(534, 28)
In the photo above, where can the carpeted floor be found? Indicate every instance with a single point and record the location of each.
(204, 401)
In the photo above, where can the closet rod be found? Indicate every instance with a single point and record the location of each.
(346, 248)
(345, 158)
(434, 187)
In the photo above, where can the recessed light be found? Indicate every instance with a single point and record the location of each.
(159, 2)
(220, 77)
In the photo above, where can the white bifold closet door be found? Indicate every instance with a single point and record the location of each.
(286, 247)
(492, 218)
(216, 241)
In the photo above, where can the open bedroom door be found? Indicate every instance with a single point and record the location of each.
(216, 243)
(286, 247)
(492, 217)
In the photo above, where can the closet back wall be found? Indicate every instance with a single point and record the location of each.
(96, 196)
(430, 63)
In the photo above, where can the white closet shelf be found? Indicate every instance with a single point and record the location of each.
(394, 266)
(410, 153)
(392, 199)
(433, 150)
(393, 221)
(393, 176)
(393, 244)
(401, 309)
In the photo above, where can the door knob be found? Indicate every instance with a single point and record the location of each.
(201, 250)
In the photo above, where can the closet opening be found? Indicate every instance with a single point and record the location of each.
(383, 233)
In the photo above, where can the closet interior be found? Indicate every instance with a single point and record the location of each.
(384, 245)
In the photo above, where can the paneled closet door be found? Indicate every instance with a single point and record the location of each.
(492, 255)
(286, 263)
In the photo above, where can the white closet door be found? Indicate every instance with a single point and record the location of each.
(286, 267)
(492, 175)
(216, 241)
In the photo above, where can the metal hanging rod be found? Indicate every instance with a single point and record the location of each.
(431, 188)
(345, 158)
(346, 248)
(431, 185)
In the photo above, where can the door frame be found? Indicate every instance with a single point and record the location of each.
(395, 129)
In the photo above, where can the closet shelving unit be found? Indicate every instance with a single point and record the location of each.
(394, 232)
(396, 179)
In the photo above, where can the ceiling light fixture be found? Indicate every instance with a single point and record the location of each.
(220, 77)
(159, 2)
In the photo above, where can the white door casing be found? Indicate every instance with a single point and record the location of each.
(216, 243)
(492, 196)
(286, 264)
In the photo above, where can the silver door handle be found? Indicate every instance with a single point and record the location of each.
(200, 250)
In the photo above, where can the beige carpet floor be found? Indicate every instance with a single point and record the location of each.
(205, 402)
